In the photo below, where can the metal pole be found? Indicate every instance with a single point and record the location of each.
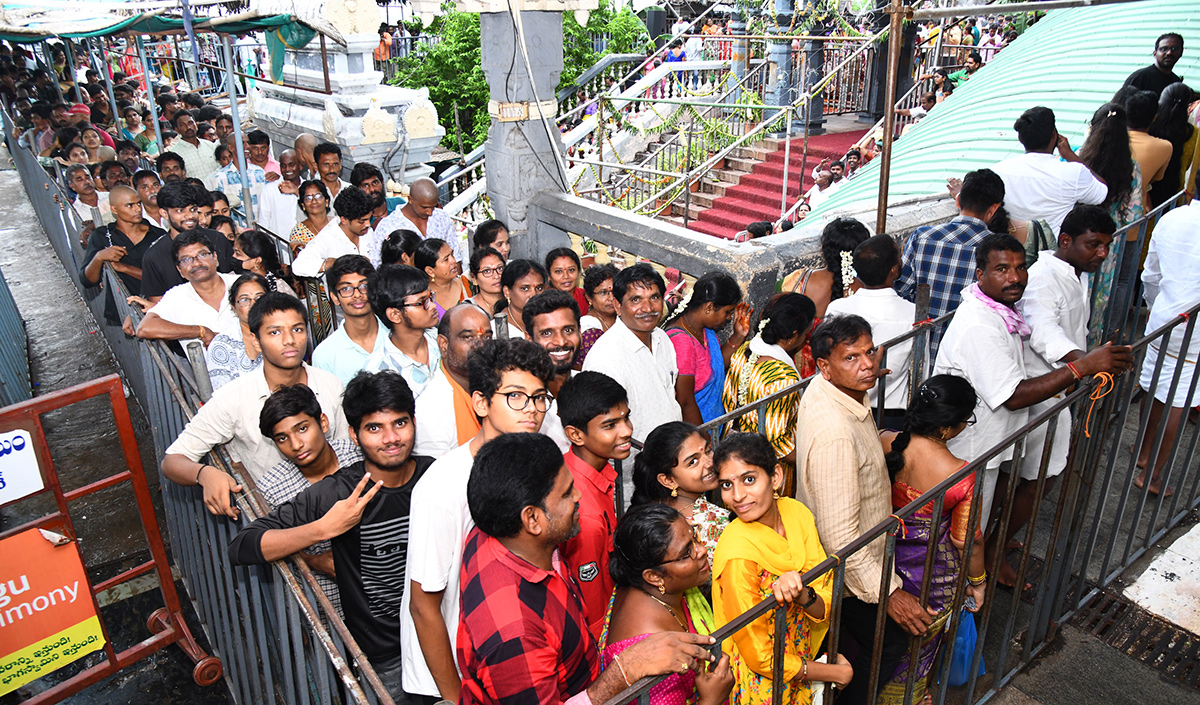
(889, 115)
(687, 172)
(112, 99)
(150, 93)
(787, 162)
(71, 68)
(237, 129)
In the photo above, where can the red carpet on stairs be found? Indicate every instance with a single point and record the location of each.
(757, 194)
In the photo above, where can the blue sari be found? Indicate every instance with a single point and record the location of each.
(708, 397)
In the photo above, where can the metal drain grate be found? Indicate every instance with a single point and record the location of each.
(1134, 631)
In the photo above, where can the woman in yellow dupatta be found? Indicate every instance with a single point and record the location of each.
(762, 553)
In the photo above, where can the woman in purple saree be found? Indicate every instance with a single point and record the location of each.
(918, 460)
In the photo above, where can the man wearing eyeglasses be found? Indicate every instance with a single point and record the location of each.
(1157, 76)
(507, 381)
(198, 307)
(346, 351)
(445, 417)
(400, 296)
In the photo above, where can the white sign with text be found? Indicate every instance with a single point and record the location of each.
(19, 472)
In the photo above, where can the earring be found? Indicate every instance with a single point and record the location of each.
(661, 590)
(775, 494)
(674, 492)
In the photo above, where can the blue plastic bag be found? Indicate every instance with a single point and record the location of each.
(964, 650)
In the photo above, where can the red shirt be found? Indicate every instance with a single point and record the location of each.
(587, 553)
(522, 634)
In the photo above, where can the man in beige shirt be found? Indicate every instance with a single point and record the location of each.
(842, 477)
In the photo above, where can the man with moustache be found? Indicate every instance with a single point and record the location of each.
(181, 204)
(279, 326)
(362, 510)
(984, 345)
(122, 243)
(460, 331)
(278, 202)
(200, 306)
(199, 156)
(147, 184)
(368, 178)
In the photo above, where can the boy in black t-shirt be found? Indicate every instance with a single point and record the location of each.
(363, 510)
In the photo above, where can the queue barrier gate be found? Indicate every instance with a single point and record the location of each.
(167, 624)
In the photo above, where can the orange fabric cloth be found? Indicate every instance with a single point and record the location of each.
(466, 423)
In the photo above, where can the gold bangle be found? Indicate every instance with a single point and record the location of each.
(977, 580)
(617, 660)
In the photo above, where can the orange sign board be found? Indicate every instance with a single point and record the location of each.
(47, 616)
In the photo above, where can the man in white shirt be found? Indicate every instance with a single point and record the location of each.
(328, 159)
(231, 416)
(344, 236)
(822, 189)
(421, 215)
(346, 351)
(199, 156)
(877, 264)
(507, 381)
(198, 308)
(1037, 184)
(638, 354)
(983, 344)
(679, 27)
(279, 200)
(1172, 287)
(445, 417)
(400, 296)
(1056, 305)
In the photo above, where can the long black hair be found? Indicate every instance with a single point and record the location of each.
(717, 288)
(640, 542)
(256, 243)
(942, 401)
(660, 454)
(1107, 152)
(840, 235)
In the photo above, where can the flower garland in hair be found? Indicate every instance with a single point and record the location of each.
(848, 273)
(687, 299)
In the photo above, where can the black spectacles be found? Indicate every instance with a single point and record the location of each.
(187, 261)
(518, 401)
(346, 291)
(691, 549)
(427, 302)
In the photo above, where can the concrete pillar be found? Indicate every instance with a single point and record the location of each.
(741, 47)
(521, 159)
(877, 75)
(814, 58)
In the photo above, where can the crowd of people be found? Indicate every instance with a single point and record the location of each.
(446, 459)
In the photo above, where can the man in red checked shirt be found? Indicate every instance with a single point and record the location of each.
(523, 636)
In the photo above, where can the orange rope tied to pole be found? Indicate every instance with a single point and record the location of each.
(903, 528)
(1106, 385)
(918, 324)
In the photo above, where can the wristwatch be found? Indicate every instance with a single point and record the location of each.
(812, 597)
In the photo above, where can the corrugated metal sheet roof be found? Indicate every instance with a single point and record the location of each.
(1072, 61)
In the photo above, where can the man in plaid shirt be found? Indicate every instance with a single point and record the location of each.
(943, 256)
(523, 635)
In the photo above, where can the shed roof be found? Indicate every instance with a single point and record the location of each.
(1072, 62)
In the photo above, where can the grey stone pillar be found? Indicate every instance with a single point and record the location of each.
(877, 74)
(814, 53)
(780, 51)
(521, 158)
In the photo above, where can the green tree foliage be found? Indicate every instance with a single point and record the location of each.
(452, 72)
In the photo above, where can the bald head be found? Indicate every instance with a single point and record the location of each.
(126, 205)
(289, 165)
(460, 330)
(423, 189)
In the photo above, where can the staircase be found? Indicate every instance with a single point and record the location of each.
(749, 186)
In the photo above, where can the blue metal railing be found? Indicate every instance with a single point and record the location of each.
(14, 350)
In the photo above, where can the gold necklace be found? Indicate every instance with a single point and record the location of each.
(668, 607)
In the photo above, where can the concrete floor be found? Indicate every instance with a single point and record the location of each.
(66, 348)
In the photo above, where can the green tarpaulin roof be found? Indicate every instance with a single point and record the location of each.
(1071, 62)
(145, 23)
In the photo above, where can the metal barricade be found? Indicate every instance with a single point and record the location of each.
(14, 352)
